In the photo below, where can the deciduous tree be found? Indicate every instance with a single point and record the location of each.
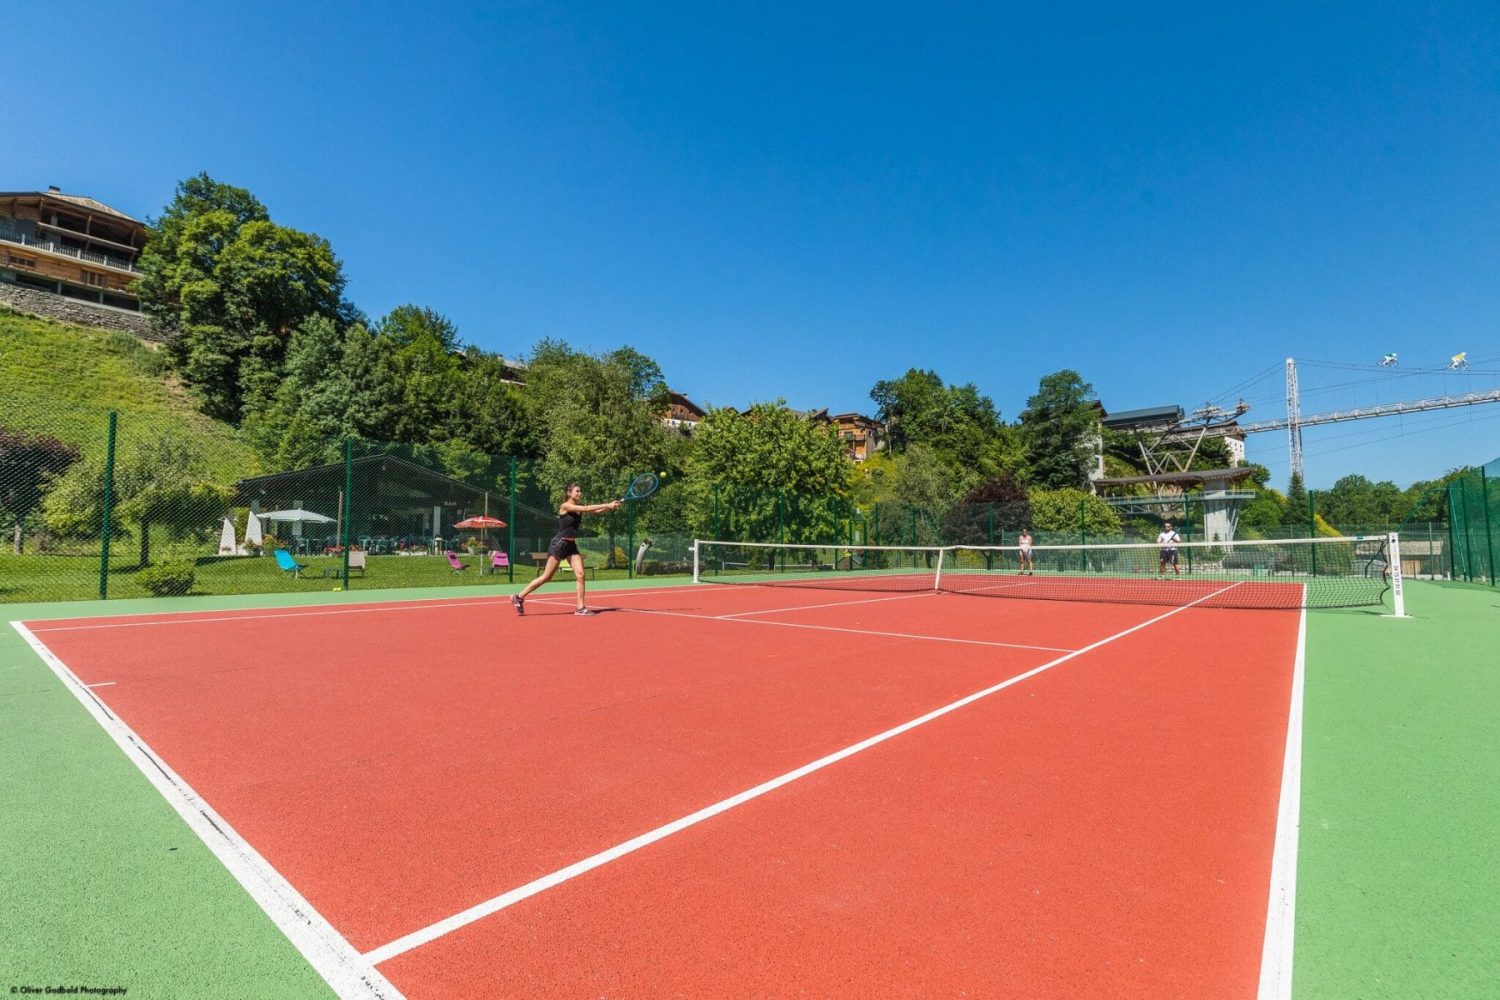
(1060, 432)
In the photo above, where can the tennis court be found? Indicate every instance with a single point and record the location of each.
(730, 791)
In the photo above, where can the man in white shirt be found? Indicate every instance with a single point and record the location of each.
(1167, 541)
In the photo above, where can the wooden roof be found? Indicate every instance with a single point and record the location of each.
(77, 201)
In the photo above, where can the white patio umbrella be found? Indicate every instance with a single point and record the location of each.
(296, 516)
(253, 536)
(226, 538)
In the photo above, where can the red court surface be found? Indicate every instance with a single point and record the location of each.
(1103, 828)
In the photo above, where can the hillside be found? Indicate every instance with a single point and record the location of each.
(63, 380)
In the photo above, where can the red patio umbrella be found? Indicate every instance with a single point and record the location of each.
(480, 522)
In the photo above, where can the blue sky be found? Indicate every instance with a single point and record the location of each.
(798, 200)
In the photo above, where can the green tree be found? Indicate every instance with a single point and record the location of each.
(1297, 509)
(304, 418)
(1264, 513)
(28, 463)
(959, 424)
(1070, 511)
(1060, 432)
(426, 368)
(160, 481)
(999, 504)
(493, 414)
(1355, 502)
(598, 417)
(232, 285)
(746, 469)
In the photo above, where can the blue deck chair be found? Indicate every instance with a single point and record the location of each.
(285, 561)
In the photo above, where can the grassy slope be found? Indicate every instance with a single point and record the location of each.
(1399, 862)
(63, 380)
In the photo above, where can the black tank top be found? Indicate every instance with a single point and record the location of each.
(568, 524)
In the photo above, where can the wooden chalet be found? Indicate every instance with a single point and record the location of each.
(682, 413)
(70, 245)
(861, 435)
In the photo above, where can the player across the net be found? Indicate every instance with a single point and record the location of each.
(1269, 573)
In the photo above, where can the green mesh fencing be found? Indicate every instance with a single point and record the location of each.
(128, 504)
(1474, 524)
(105, 504)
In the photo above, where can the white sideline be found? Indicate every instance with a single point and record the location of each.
(491, 906)
(1281, 909)
(338, 962)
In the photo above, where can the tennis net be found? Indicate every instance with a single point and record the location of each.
(1279, 573)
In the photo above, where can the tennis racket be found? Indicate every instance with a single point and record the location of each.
(641, 487)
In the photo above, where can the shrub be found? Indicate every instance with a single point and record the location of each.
(167, 579)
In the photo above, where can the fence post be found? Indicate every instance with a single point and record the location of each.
(1489, 532)
(1187, 517)
(629, 538)
(1452, 553)
(1312, 530)
(348, 505)
(989, 557)
(510, 529)
(109, 501)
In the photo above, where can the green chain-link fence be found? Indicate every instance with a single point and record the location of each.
(136, 505)
(1474, 524)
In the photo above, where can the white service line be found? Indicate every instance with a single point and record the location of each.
(832, 604)
(101, 684)
(491, 906)
(850, 631)
(340, 964)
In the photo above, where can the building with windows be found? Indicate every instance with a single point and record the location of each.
(70, 245)
(862, 436)
(682, 413)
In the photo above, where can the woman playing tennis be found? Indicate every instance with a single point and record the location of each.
(564, 545)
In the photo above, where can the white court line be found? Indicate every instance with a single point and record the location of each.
(101, 684)
(1281, 911)
(833, 604)
(491, 906)
(363, 609)
(852, 631)
(335, 959)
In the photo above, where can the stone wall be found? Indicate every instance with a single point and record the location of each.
(79, 312)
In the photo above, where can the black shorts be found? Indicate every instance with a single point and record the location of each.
(1169, 556)
(562, 548)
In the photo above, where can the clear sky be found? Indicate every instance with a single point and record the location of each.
(798, 200)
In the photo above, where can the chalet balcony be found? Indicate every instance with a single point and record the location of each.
(46, 246)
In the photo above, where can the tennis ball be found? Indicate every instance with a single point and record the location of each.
(337, 589)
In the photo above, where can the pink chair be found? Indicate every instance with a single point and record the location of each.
(453, 560)
(498, 561)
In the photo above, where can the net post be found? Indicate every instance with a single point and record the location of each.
(937, 576)
(1393, 552)
(695, 562)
